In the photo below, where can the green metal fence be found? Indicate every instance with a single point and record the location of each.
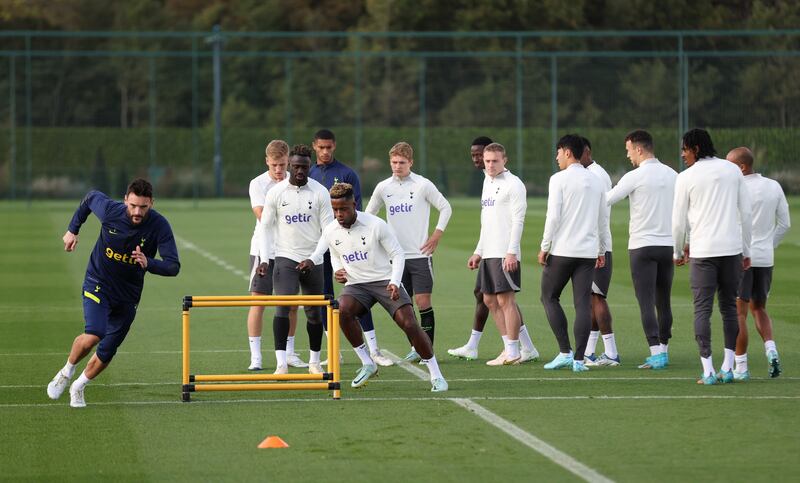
(193, 111)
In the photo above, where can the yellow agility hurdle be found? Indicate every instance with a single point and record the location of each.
(273, 382)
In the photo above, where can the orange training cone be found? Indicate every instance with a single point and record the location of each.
(273, 442)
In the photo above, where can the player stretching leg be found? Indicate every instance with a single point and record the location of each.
(368, 259)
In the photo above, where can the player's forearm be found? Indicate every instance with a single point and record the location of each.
(168, 267)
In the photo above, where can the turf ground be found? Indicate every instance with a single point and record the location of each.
(512, 423)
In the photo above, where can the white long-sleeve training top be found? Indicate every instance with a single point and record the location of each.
(712, 196)
(368, 250)
(408, 209)
(575, 225)
(651, 188)
(605, 179)
(770, 218)
(258, 191)
(293, 218)
(503, 205)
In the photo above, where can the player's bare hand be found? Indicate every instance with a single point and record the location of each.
(262, 269)
(746, 263)
(543, 257)
(340, 275)
(510, 263)
(430, 245)
(601, 262)
(305, 266)
(474, 262)
(394, 292)
(139, 257)
(70, 241)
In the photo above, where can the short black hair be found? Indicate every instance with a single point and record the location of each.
(642, 138)
(140, 187)
(324, 134)
(700, 139)
(300, 150)
(586, 142)
(573, 142)
(482, 141)
(342, 191)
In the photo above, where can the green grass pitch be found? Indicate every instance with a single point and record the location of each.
(623, 423)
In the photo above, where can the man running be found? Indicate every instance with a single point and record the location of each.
(131, 234)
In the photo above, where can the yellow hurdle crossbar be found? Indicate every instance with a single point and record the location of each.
(329, 381)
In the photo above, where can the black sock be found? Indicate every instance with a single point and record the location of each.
(280, 329)
(314, 335)
(428, 322)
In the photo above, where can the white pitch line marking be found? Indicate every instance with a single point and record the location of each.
(558, 457)
(551, 453)
(210, 256)
(389, 399)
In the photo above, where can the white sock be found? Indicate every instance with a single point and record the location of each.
(280, 356)
(372, 340)
(568, 354)
(363, 354)
(525, 339)
(68, 370)
(313, 357)
(769, 345)
(255, 349)
(611, 345)
(433, 368)
(505, 340)
(741, 363)
(708, 366)
(591, 345)
(290, 345)
(512, 349)
(665, 348)
(81, 381)
(727, 361)
(474, 339)
(655, 350)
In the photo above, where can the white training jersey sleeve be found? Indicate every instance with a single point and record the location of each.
(367, 250)
(605, 182)
(503, 207)
(376, 200)
(259, 186)
(770, 218)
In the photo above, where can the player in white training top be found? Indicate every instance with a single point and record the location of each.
(408, 198)
(368, 259)
(770, 224)
(277, 158)
(601, 314)
(295, 210)
(498, 253)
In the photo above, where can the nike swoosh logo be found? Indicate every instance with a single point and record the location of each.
(338, 242)
(112, 232)
(284, 204)
(389, 196)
